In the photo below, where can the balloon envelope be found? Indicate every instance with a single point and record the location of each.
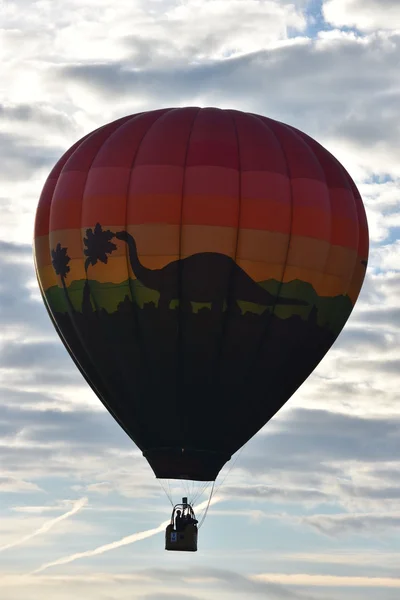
(198, 264)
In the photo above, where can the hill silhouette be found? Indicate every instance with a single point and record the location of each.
(332, 311)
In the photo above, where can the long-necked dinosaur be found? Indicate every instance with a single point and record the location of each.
(207, 277)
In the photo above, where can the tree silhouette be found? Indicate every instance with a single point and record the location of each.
(98, 246)
(313, 316)
(60, 260)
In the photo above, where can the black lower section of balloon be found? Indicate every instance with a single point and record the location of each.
(199, 380)
(185, 463)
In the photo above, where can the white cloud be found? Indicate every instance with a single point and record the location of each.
(365, 15)
(152, 584)
(301, 579)
(47, 526)
(103, 488)
(387, 257)
(364, 524)
(15, 485)
(176, 29)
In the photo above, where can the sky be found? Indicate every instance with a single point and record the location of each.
(310, 508)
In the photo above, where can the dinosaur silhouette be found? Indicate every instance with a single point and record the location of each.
(210, 273)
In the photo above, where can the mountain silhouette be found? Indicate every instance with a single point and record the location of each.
(213, 276)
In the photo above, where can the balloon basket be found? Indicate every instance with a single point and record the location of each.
(183, 541)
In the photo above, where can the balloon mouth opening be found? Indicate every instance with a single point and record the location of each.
(186, 463)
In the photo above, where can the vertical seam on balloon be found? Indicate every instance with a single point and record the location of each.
(64, 159)
(266, 124)
(91, 295)
(113, 132)
(239, 215)
(357, 208)
(346, 177)
(305, 140)
(77, 332)
(348, 181)
(289, 244)
(225, 317)
(131, 170)
(141, 343)
(309, 146)
(179, 354)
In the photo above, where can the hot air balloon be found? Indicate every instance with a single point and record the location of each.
(198, 263)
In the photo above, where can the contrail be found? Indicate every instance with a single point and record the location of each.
(130, 539)
(78, 505)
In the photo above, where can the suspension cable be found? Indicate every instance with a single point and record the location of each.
(200, 491)
(207, 507)
(214, 491)
(166, 492)
(230, 469)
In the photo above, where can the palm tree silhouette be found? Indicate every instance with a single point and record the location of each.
(98, 246)
(60, 260)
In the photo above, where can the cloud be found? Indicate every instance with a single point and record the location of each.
(383, 366)
(44, 355)
(38, 510)
(380, 493)
(173, 26)
(380, 560)
(206, 581)
(77, 506)
(376, 316)
(167, 596)
(277, 494)
(20, 154)
(381, 198)
(364, 524)
(131, 539)
(316, 458)
(356, 338)
(103, 488)
(10, 251)
(236, 582)
(302, 434)
(387, 257)
(41, 114)
(327, 581)
(389, 472)
(15, 485)
(19, 311)
(82, 445)
(365, 15)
